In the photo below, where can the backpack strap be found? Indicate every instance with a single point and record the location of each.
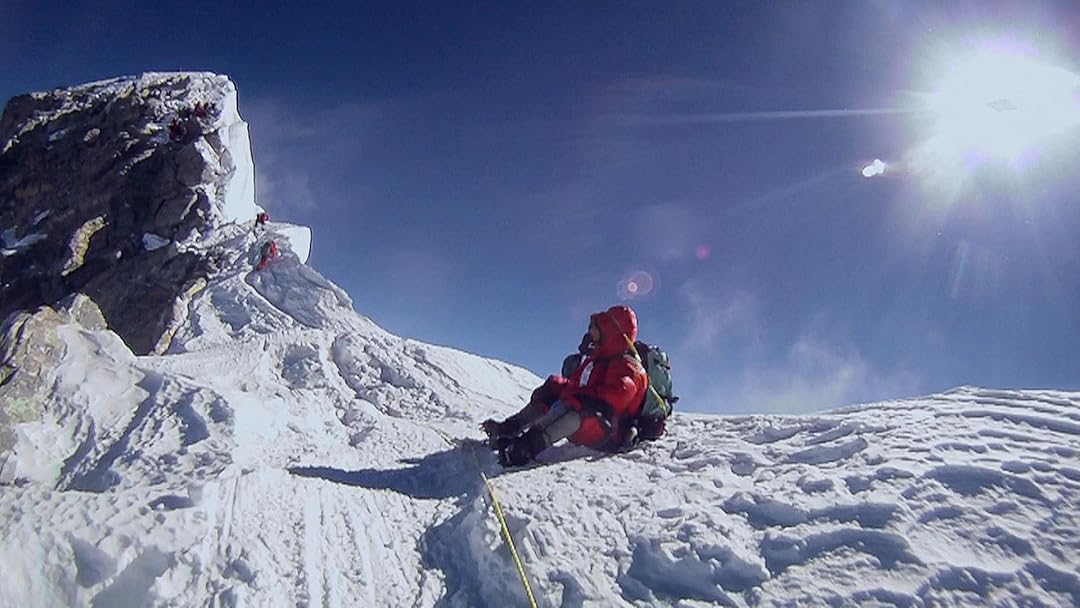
(633, 349)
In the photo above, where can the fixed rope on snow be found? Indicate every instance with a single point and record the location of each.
(502, 522)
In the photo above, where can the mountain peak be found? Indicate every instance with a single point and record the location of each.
(96, 179)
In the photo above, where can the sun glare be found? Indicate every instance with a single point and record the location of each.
(1000, 104)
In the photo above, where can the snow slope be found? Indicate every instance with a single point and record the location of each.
(287, 451)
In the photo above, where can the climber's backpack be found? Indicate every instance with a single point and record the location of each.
(658, 398)
(658, 401)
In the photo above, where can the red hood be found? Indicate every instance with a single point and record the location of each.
(614, 323)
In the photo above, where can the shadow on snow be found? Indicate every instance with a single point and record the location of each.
(453, 472)
(444, 474)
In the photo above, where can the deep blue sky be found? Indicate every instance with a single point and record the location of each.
(483, 175)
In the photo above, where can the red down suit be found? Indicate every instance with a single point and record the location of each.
(609, 386)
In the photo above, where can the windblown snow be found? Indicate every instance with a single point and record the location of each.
(288, 452)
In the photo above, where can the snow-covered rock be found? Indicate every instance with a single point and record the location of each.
(96, 178)
(32, 346)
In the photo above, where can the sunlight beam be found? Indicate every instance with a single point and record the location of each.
(728, 117)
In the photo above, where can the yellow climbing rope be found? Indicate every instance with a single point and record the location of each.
(509, 540)
(502, 523)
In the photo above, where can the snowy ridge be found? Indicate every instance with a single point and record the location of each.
(284, 452)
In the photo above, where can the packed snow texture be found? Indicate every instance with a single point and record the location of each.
(288, 451)
(299, 239)
(238, 202)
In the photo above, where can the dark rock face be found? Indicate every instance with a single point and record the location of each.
(103, 187)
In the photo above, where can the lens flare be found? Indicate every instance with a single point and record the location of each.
(638, 285)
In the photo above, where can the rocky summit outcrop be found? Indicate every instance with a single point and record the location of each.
(106, 189)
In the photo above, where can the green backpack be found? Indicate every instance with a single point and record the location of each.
(658, 399)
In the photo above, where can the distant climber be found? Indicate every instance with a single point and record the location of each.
(593, 407)
(188, 122)
(260, 220)
(268, 252)
(201, 110)
(178, 130)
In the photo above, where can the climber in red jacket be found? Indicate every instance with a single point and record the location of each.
(268, 252)
(260, 220)
(592, 407)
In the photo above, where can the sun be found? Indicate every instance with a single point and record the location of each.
(996, 110)
(999, 104)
